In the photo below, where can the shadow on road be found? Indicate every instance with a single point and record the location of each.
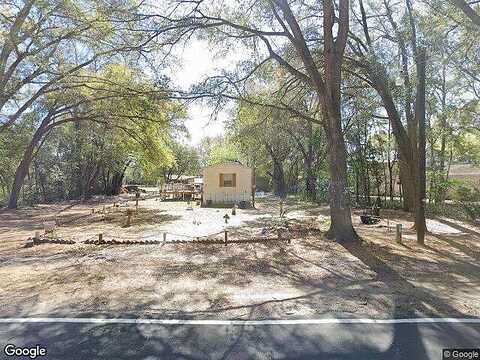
(411, 346)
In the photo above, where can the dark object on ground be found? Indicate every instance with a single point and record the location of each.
(371, 215)
(133, 189)
(370, 219)
(29, 243)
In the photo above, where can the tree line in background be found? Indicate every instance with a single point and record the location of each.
(77, 105)
(344, 102)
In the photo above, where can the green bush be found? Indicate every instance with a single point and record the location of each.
(465, 192)
(468, 198)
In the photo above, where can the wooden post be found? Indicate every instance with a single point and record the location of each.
(226, 237)
(100, 237)
(253, 196)
(129, 217)
(388, 222)
(164, 237)
(93, 211)
(399, 233)
(136, 205)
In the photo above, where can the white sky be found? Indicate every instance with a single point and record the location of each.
(198, 60)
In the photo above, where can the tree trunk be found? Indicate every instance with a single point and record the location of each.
(420, 223)
(407, 163)
(278, 175)
(327, 89)
(359, 168)
(390, 162)
(341, 227)
(115, 183)
(310, 180)
(441, 193)
(366, 169)
(90, 183)
(311, 185)
(357, 195)
(408, 186)
(41, 178)
(22, 169)
(385, 182)
(391, 184)
(468, 11)
(279, 187)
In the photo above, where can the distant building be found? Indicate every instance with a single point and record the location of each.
(227, 184)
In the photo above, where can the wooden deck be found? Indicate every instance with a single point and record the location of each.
(178, 191)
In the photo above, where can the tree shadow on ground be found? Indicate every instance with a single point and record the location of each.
(459, 227)
(417, 307)
(400, 341)
(237, 264)
(146, 341)
(468, 247)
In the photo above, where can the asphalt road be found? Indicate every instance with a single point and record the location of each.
(286, 341)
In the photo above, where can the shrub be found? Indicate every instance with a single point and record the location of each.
(468, 198)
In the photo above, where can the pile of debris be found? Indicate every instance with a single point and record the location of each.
(45, 239)
(175, 241)
(123, 242)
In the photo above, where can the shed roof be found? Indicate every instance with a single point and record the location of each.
(234, 163)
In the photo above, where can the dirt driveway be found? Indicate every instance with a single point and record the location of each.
(311, 277)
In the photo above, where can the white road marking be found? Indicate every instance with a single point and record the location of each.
(238, 322)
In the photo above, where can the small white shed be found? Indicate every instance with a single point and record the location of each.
(226, 184)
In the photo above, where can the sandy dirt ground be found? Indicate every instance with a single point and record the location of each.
(310, 277)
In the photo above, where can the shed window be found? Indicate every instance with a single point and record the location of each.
(228, 180)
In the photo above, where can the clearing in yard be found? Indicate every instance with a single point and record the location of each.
(309, 277)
